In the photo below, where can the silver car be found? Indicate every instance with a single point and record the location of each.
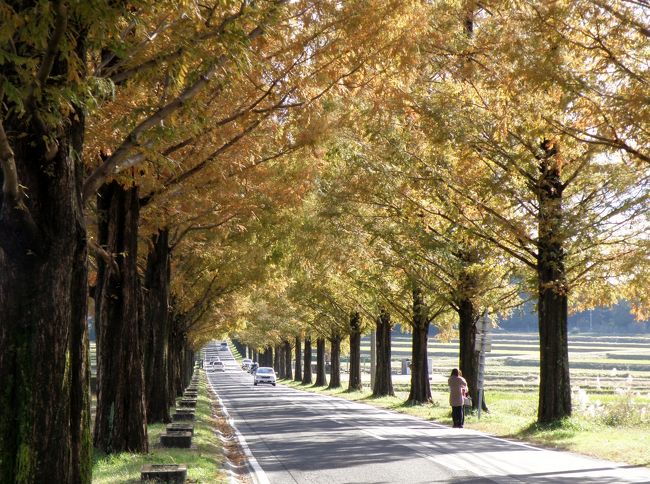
(264, 374)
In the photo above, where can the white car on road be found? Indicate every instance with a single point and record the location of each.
(264, 374)
(215, 366)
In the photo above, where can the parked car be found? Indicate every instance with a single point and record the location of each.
(264, 374)
(246, 364)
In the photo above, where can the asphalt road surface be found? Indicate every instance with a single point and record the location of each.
(300, 437)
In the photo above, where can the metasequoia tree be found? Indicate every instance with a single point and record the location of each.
(561, 207)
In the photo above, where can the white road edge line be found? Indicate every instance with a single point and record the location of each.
(258, 475)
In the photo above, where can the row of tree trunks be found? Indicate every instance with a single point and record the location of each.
(420, 388)
(297, 374)
(306, 374)
(355, 352)
(156, 293)
(383, 372)
(287, 360)
(321, 375)
(44, 395)
(335, 365)
(120, 422)
(266, 357)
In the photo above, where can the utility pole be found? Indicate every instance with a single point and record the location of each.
(483, 344)
(373, 358)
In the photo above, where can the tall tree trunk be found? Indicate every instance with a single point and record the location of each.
(283, 369)
(468, 356)
(306, 374)
(277, 358)
(120, 422)
(268, 356)
(188, 365)
(287, 360)
(156, 284)
(355, 352)
(297, 376)
(321, 376)
(383, 370)
(468, 317)
(554, 385)
(178, 380)
(172, 355)
(335, 366)
(420, 388)
(44, 394)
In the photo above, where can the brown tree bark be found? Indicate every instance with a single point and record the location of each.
(172, 355)
(321, 376)
(383, 370)
(297, 376)
(277, 358)
(420, 388)
(268, 356)
(120, 422)
(156, 327)
(355, 352)
(335, 367)
(555, 384)
(306, 374)
(44, 394)
(468, 356)
(287, 360)
(177, 347)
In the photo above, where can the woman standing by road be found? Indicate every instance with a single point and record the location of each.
(457, 392)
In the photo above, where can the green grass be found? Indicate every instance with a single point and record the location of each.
(513, 415)
(203, 462)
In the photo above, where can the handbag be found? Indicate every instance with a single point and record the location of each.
(467, 401)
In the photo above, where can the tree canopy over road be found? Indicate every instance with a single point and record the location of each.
(312, 168)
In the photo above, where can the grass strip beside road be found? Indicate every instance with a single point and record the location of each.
(513, 416)
(204, 460)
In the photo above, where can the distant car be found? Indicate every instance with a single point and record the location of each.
(264, 374)
(215, 366)
(246, 364)
(223, 346)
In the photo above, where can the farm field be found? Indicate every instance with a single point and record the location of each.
(600, 364)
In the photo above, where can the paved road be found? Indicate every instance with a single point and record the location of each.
(300, 437)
